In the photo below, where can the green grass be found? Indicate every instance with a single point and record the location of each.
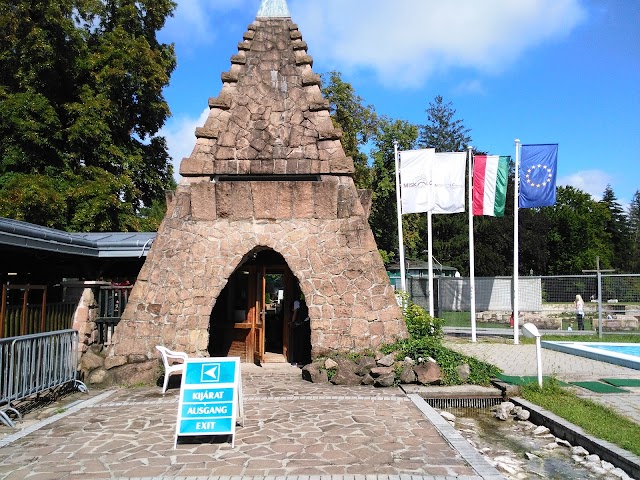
(593, 418)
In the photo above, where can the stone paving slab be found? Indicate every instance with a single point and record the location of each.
(292, 429)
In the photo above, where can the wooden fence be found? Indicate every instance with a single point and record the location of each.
(28, 311)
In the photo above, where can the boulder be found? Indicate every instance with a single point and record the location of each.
(136, 373)
(463, 371)
(381, 371)
(364, 365)
(314, 374)
(408, 375)
(114, 361)
(503, 411)
(137, 358)
(449, 417)
(330, 363)
(428, 373)
(541, 430)
(99, 376)
(580, 451)
(387, 360)
(90, 361)
(345, 373)
(385, 380)
(368, 380)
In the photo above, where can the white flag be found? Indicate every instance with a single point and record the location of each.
(432, 182)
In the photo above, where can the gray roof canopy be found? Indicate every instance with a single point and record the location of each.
(98, 245)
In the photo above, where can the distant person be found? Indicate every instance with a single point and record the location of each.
(579, 304)
(301, 337)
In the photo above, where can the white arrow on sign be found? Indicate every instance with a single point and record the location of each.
(212, 372)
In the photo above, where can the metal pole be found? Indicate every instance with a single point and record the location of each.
(472, 272)
(430, 263)
(598, 273)
(403, 281)
(599, 298)
(516, 182)
(539, 359)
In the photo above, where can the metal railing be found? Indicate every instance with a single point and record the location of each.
(33, 364)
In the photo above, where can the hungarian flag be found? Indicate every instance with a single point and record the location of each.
(490, 175)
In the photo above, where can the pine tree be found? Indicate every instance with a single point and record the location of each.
(634, 230)
(617, 226)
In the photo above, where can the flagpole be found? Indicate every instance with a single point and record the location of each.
(472, 272)
(430, 250)
(516, 181)
(403, 281)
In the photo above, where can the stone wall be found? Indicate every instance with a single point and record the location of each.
(351, 303)
(267, 171)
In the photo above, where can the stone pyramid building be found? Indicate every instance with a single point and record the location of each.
(266, 213)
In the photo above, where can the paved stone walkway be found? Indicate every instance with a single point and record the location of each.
(292, 429)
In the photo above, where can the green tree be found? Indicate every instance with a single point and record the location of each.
(634, 226)
(576, 235)
(80, 106)
(384, 213)
(450, 232)
(358, 122)
(619, 230)
(442, 131)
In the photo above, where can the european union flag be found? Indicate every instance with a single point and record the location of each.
(538, 167)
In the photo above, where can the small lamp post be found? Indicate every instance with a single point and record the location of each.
(529, 330)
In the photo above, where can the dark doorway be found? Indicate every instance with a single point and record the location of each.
(252, 315)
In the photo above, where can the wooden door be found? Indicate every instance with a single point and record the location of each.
(288, 307)
(259, 317)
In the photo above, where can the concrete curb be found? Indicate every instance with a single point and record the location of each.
(456, 440)
(613, 454)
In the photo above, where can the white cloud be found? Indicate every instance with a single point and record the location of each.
(407, 41)
(592, 182)
(181, 138)
(474, 87)
(195, 21)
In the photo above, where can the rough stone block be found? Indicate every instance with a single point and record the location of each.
(342, 165)
(203, 201)
(272, 200)
(233, 200)
(193, 166)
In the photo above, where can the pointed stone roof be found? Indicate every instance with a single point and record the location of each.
(274, 9)
(270, 117)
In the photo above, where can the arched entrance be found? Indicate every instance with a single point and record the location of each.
(252, 315)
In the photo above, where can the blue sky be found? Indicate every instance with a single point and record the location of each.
(543, 71)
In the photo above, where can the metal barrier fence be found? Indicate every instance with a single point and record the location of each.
(33, 364)
(547, 301)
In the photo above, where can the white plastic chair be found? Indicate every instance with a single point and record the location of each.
(169, 357)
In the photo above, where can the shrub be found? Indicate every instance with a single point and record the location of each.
(419, 323)
(420, 349)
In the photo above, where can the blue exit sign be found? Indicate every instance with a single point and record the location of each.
(210, 397)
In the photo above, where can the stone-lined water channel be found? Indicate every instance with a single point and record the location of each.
(522, 450)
